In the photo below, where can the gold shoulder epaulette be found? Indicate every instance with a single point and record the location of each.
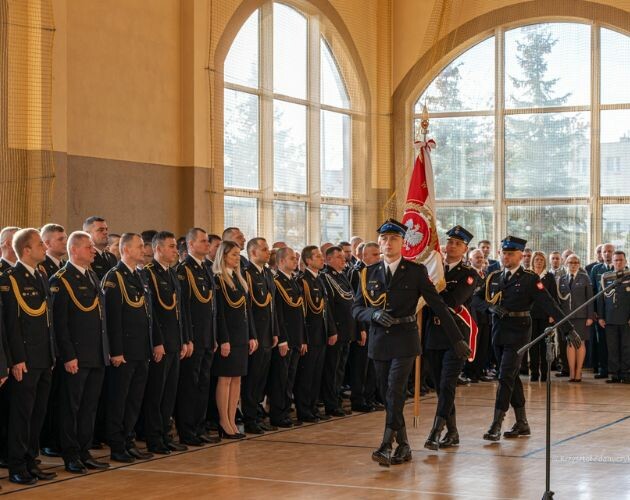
(60, 273)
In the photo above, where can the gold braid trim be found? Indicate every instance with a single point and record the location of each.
(287, 298)
(315, 309)
(157, 292)
(234, 304)
(74, 299)
(374, 303)
(195, 289)
(23, 305)
(498, 296)
(262, 305)
(133, 303)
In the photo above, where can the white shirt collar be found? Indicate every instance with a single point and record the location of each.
(128, 267)
(393, 265)
(453, 265)
(54, 259)
(315, 274)
(201, 264)
(287, 275)
(79, 268)
(12, 264)
(28, 268)
(260, 269)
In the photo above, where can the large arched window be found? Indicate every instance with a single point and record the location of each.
(287, 131)
(533, 133)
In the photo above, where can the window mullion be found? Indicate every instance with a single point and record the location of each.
(595, 233)
(265, 206)
(313, 133)
(500, 209)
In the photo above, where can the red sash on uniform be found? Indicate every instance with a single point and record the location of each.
(466, 317)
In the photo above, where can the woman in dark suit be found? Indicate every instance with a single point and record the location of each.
(540, 319)
(574, 288)
(235, 335)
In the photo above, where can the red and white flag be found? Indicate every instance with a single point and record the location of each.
(421, 241)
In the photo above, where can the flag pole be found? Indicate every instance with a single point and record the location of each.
(424, 130)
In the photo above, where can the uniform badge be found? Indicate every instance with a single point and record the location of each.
(371, 292)
(628, 289)
(54, 289)
(470, 280)
(109, 284)
(540, 286)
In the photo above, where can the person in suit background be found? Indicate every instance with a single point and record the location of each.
(574, 289)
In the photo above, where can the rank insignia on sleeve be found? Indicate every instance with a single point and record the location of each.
(180, 277)
(109, 284)
(540, 286)
(470, 280)
(4, 288)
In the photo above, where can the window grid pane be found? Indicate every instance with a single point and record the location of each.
(333, 89)
(289, 51)
(477, 220)
(335, 154)
(615, 153)
(616, 226)
(334, 223)
(289, 147)
(289, 223)
(241, 63)
(240, 140)
(242, 213)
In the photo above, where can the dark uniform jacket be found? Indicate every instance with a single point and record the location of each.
(516, 297)
(550, 284)
(319, 325)
(103, 262)
(461, 282)
(5, 270)
(166, 297)
(340, 298)
(128, 313)
(4, 362)
(290, 309)
(614, 305)
(262, 290)
(400, 299)
(79, 319)
(572, 297)
(28, 316)
(49, 267)
(198, 303)
(234, 322)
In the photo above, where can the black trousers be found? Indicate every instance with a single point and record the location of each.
(538, 352)
(253, 385)
(308, 380)
(49, 437)
(5, 398)
(159, 398)
(392, 376)
(510, 390)
(562, 354)
(80, 394)
(280, 386)
(602, 349)
(445, 368)
(474, 369)
(331, 379)
(26, 417)
(618, 342)
(192, 393)
(126, 386)
(100, 424)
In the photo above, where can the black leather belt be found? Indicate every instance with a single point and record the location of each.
(518, 314)
(404, 319)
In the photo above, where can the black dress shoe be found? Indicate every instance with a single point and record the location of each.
(296, 422)
(122, 457)
(600, 376)
(363, 408)
(75, 467)
(562, 374)
(284, 424)
(191, 441)
(173, 446)
(253, 428)
(22, 478)
(322, 416)
(267, 427)
(208, 439)
(378, 406)
(310, 419)
(40, 474)
(97, 445)
(159, 449)
(613, 380)
(93, 464)
(337, 412)
(3, 464)
(225, 435)
(49, 451)
(140, 455)
(401, 455)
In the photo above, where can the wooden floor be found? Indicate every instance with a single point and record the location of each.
(590, 457)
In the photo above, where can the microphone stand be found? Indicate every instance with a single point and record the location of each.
(549, 335)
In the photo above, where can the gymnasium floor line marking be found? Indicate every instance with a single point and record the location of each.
(317, 484)
(580, 434)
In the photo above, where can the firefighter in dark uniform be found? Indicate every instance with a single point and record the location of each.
(291, 339)
(262, 306)
(509, 295)
(129, 324)
(614, 311)
(83, 347)
(29, 328)
(387, 298)
(340, 298)
(445, 365)
(168, 345)
(200, 317)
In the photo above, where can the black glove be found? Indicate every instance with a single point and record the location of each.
(383, 318)
(498, 310)
(462, 350)
(573, 339)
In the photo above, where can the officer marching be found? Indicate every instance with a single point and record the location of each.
(387, 299)
(509, 295)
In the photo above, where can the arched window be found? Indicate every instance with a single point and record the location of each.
(287, 131)
(533, 133)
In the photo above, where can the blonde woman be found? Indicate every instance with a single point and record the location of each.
(540, 319)
(235, 335)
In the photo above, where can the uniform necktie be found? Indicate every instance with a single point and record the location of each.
(388, 275)
(446, 267)
(571, 282)
(508, 275)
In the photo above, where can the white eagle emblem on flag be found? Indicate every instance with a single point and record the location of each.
(414, 236)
